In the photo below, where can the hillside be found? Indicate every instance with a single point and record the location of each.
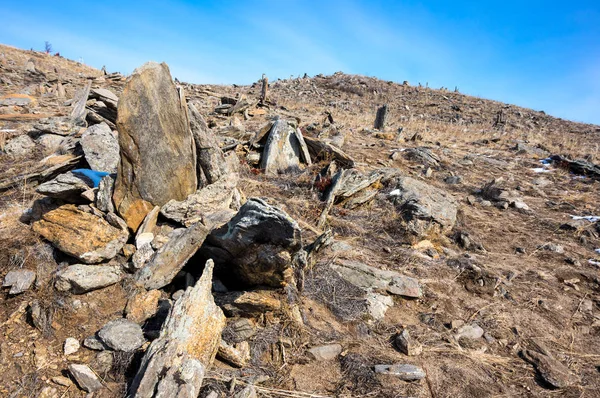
(461, 239)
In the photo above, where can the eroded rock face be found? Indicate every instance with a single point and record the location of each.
(174, 365)
(422, 204)
(89, 238)
(158, 160)
(170, 258)
(256, 246)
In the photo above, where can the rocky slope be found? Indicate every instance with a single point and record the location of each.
(159, 238)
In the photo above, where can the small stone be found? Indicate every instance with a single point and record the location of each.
(71, 346)
(404, 372)
(237, 355)
(104, 361)
(19, 146)
(407, 345)
(62, 381)
(48, 392)
(122, 335)
(452, 180)
(85, 377)
(94, 343)
(485, 203)
(325, 352)
(472, 331)
(143, 239)
(177, 294)
(19, 281)
(142, 306)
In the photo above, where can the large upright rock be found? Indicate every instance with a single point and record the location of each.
(158, 159)
(174, 365)
(284, 150)
(257, 246)
(85, 236)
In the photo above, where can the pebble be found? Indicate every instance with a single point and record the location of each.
(325, 352)
(472, 331)
(71, 346)
(404, 372)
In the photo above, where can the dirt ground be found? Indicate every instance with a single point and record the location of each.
(519, 292)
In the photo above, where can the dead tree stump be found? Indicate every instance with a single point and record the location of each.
(381, 117)
(264, 89)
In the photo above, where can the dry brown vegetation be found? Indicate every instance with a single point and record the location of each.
(517, 292)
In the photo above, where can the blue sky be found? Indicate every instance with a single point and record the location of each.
(543, 55)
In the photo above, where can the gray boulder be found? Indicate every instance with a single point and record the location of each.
(285, 149)
(256, 246)
(122, 335)
(101, 148)
(422, 204)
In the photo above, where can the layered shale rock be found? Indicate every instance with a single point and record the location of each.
(82, 235)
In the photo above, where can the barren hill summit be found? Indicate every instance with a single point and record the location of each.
(308, 237)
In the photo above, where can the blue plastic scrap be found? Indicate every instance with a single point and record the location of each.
(92, 175)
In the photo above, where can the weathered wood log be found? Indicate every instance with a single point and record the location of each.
(41, 175)
(321, 150)
(381, 117)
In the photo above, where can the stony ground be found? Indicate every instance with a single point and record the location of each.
(526, 274)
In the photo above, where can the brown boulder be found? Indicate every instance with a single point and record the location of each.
(85, 236)
(158, 159)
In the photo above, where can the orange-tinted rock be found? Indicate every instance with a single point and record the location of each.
(85, 236)
(142, 305)
(158, 159)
